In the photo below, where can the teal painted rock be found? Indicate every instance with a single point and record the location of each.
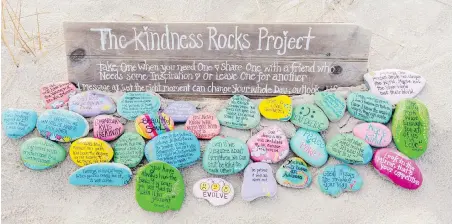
(129, 149)
(332, 104)
(41, 154)
(335, 179)
(62, 125)
(309, 145)
(133, 104)
(368, 107)
(239, 113)
(101, 174)
(294, 173)
(224, 156)
(18, 122)
(310, 117)
(410, 128)
(349, 149)
(178, 148)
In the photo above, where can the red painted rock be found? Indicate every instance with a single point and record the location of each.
(203, 124)
(270, 145)
(107, 127)
(56, 95)
(375, 134)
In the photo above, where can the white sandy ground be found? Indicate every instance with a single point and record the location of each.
(411, 35)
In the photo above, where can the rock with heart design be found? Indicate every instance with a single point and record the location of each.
(310, 117)
(215, 190)
(56, 95)
(294, 173)
(276, 108)
(87, 151)
(62, 125)
(336, 179)
(349, 149)
(225, 156)
(91, 103)
(239, 113)
(129, 149)
(153, 124)
(107, 127)
(369, 107)
(133, 104)
(17, 123)
(101, 174)
(180, 111)
(258, 181)
(270, 145)
(41, 154)
(204, 125)
(332, 104)
(375, 134)
(310, 146)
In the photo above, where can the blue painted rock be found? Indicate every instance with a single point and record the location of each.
(224, 156)
(310, 117)
(335, 179)
(101, 174)
(180, 111)
(178, 148)
(86, 151)
(62, 125)
(258, 181)
(41, 154)
(309, 145)
(349, 149)
(18, 122)
(270, 145)
(133, 104)
(332, 104)
(91, 103)
(239, 113)
(56, 95)
(215, 190)
(151, 125)
(375, 134)
(107, 127)
(368, 107)
(129, 149)
(294, 173)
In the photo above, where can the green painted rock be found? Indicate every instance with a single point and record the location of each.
(368, 107)
(240, 113)
(41, 154)
(224, 156)
(349, 149)
(332, 104)
(410, 127)
(129, 149)
(310, 117)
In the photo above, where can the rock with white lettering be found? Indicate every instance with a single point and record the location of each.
(258, 181)
(41, 154)
(18, 122)
(239, 113)
(369, 107)
(310, 117)
(215, 190)
(91, 103)
(332, 104)
(336, 179)
(375, 134)
(294, 173)
(56, 95)
(62, 125)
(204, 125)
(310, 146)
(101, 174)
(270, 145)
(107, 127)
(180, 111)
(133, 104)
(349, 149)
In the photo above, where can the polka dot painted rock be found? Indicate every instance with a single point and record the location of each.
(180, 111)
(276, 108)
(310, 117)
(239, 113)
(270, 145)
(258, 181)
(87, 151)
(129, 149)
(41, 154)
(17, 123)
(56, 95)
(101, 174)
(374, 134)
(107, 127)
(294, 173)
(133, 104)
(91, 103)
(349, 149)
(62, 125)
(336, 179)
(309, 145)
(215, 190)
(368, 107)
(224, 156)
(151, 125)
(332, 104)
(203, 124)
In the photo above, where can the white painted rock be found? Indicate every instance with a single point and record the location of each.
(258, 182)
(215, 190)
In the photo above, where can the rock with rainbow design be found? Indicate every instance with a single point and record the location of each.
(294, 173)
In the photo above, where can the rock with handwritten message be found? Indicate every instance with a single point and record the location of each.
(239, 113)
(270, 145)
(410, 127)
(91, 103)
(180, 111)
(17, 123)
(309, 145)
(204, 125)
(62, 125)
(101, 174)
(129, 149)
(215, 190)
(41, 154)
(310, 117)
(153, 124)
(276, 108)
(332, 104)
(369, 107)
(159, 187)
(294, 173)
(349, 149)
(375, 134)
(107, 127)
(335, 179)
(225, 155)
(133, 104)
(258, 181)
(56, 95)
(87, 151)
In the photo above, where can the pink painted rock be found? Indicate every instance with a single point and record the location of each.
(375, 134)
(107, 127)
(56, 95)
(398, 168)
(203, 125)
(270, 145)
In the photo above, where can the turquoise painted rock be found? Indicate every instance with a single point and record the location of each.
(335, 179)
(178, 148)
(368, 107)
(18, 122)
(239, 113)
(224, 156)
(41, 154)
(91, 103)
(332, 104)
(309, 145)
(310, 117)
(101, 174)
(133, 104)
(349, 149)
(62, 125)
(294, 173)
(180, 111)
(410, 127)
(129, 149)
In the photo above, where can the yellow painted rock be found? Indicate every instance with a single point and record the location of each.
(276, 108)
(87, 151)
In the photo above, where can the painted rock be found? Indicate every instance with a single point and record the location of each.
(375, 134)
(101, 174)
(335, 179)
(151, 125)
(276, 108)
(224, 156)
(41, 154)
(178, 148)
(332, 104)
(368, 107)
(349, 149)
(394, 84)
(215, 190)
(309, 145)
(294, 173)
(240, 113)
(129, 149)
(91, 103)
(18, 122)
(258, 181)
(87, 151)
(270, 145)
(204, 125)
(133, 104)
(310, 117)
(107, 127)
(410, 127)
(56, 95)
(159, 187)
(180, 111)
(62, 125)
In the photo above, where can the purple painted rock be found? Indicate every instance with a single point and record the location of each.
(107, 127)
(258, 182)
(91, 103)
(180, 111)
(56, 95)
(375, 134)
(270, 145)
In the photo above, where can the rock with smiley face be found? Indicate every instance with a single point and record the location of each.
(215, 190)
(310, 117)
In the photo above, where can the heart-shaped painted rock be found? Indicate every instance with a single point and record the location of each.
(215, 190)
(159, 187)
(410, 127)
(133, 104)
(56, 95)
(332, 104)
(309, 145)
(294, 173)
(224, 156)
(335, 179)
(368, 107)
(258, 181)
(101, 174)
(276, 108)
(41, 154)
(204, 125)
(129, 149)
(91, 103)
(18, 122)
(62, 125)
(107, 127)
(270, 145)
(349, 149)
(239, 113)
(180, 111)
(87, 151)
(153, 124)
(394, 84)
(310, 117)
(375, 134)
(178, 148)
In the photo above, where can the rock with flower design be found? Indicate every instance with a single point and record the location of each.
(270, 145)
(91, 103)
(276, 108)
(62, 125)
(294, 173)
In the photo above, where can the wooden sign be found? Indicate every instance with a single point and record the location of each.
(215, 58)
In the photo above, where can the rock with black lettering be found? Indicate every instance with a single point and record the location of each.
(309, 117)
(239, 113)
(215, 190)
